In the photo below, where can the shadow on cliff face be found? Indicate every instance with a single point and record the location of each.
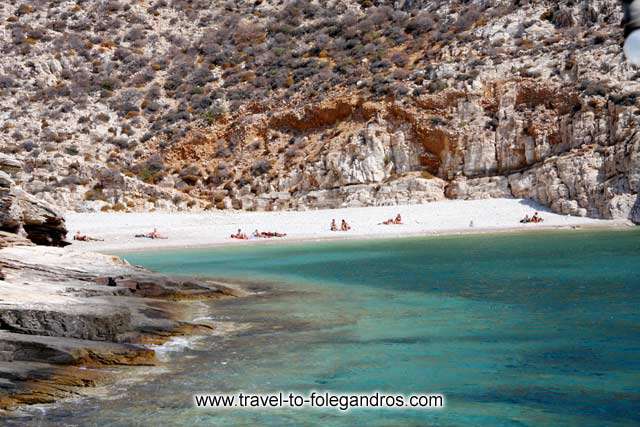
(23, 213)
(635, 211)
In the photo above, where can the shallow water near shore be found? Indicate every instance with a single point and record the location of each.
(519, 329)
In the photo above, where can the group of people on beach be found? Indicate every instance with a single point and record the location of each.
(344, 226)
(240, 235)
(155, 234)
(536, 218)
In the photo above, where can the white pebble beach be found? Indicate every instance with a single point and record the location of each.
(213, 228)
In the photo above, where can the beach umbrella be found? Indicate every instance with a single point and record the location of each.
(632, 30)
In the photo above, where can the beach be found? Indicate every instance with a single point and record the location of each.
(525, 328)
(92, 311)
(212, 228)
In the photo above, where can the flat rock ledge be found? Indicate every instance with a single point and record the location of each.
(64, 315)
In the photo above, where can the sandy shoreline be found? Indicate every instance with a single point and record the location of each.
(193, 230)
(79, 295)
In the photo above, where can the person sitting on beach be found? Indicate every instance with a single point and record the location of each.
(256, 233)
(84, 238)
(153, 235)
(536, 218)
(240, 235)
(344, 226)
(525, 220)
(334, 227)
(392, 221)
(156, 235)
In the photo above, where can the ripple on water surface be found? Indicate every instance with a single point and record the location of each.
(517, 329)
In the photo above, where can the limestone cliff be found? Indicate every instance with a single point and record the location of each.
(63, 312)
(22, 213)
(546, 145)
(121, 105)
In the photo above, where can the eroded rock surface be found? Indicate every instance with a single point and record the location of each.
(22, 213)
(61, 308)
(86, 321)
(292, 105)
(635, 212)
(543, 143)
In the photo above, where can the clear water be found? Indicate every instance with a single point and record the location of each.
(516, 330)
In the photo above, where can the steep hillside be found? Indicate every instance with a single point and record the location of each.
(138, 105)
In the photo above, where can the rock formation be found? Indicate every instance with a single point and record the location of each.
(21, 212)
(61, 311)
(301, 104)
(635, 212)
(440, 147)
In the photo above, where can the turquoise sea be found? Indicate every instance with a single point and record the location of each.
(514, 329)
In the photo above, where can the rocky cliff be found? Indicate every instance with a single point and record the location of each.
(21, 213)
(440, 147)
(63, 312)
(307, 103)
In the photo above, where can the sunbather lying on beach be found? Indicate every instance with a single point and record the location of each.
(391, 221)
(153, 235)
(268, 234)
(240, 235)
(84, 238)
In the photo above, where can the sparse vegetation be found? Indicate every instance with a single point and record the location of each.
(125, 85)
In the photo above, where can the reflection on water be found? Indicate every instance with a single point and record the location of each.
(513, 329)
